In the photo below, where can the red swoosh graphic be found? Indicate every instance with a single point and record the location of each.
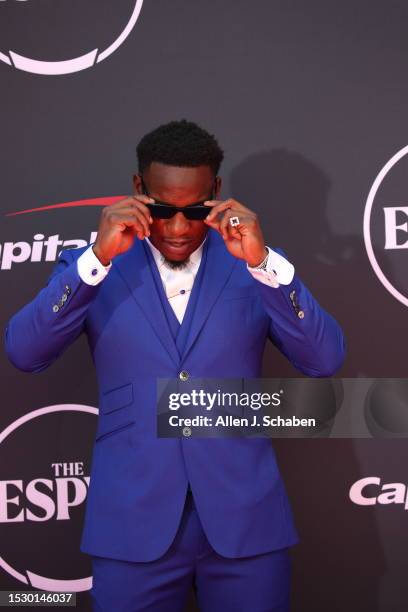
(107, 201)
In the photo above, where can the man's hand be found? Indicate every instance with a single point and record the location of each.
(119, 224)
(244, 241)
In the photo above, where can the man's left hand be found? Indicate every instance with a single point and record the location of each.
(245, 240)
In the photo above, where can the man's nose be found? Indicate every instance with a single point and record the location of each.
(179, 225)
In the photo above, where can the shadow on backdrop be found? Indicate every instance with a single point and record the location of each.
(291, 195)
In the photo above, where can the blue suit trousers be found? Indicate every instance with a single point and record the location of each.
(259, 583)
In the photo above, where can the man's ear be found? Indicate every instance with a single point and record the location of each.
(217, 186)
(137, 183)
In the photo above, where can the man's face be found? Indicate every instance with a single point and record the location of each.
(178, 237)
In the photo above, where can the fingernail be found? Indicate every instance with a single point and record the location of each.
(150, 219)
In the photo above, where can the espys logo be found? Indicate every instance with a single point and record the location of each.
(58, 26)
(386, 226)
(40, 503)
(371, 491)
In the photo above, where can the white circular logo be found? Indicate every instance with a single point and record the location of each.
(386, 226)
(87, 60)
(31, 502)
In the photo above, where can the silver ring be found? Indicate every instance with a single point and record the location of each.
(234, 221)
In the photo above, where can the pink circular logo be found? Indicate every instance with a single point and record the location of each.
(43, 503)
(74, 64)
(386, 226)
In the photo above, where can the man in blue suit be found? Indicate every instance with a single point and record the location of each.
(179, 284)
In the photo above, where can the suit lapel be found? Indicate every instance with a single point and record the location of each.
(218, 268)
(134, 270)
(133, 267)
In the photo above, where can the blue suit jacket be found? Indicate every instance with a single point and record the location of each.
(138, 481)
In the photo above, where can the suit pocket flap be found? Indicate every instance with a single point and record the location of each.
(116, 398)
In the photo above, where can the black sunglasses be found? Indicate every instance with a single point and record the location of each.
(162, 210)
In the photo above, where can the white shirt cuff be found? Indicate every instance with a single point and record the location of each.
(279, 271)
(90, 269)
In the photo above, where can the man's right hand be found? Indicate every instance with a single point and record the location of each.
(119, 224)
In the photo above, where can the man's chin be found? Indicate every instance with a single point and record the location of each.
(176, 264)
(176, 256)
(176, 253)
(170, 256)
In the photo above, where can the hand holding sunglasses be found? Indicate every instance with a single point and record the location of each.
(119, 224)
(240, 228)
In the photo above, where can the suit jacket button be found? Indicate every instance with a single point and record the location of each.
(186, 431)
(184, 375)
(64, 297)
(301, 314)
(55, 308)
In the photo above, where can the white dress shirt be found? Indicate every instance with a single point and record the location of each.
(179, 283)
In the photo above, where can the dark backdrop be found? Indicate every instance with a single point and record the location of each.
(309, 101)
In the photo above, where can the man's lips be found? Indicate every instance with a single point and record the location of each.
(177, 244)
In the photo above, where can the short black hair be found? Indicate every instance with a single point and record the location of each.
(179, 143)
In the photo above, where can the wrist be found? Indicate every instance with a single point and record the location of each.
(105, 262)
(258, 262)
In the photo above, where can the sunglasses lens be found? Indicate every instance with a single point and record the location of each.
(158, 211)
(163, 211)
(196, 213)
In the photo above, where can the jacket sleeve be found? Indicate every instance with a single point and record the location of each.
(44, 328)
(302, 330)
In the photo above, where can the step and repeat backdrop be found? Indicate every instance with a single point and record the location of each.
(309, 101)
